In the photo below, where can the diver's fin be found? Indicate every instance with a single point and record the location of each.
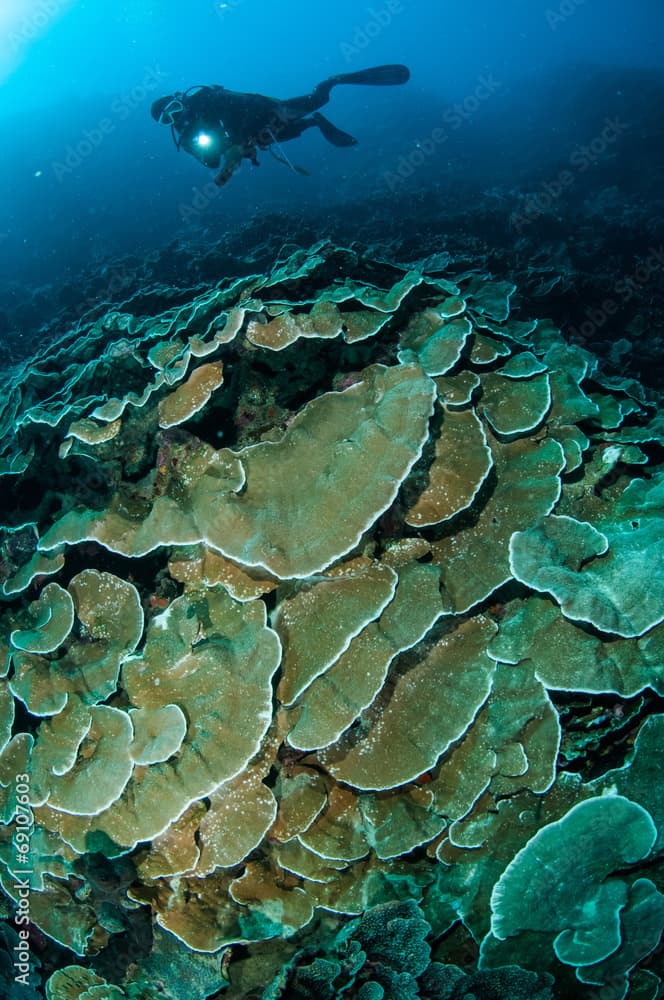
(380, 76)
(332, 133)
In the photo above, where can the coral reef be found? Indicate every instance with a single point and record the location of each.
(306, 582)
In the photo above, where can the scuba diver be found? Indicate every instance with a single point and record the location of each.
(212, 123)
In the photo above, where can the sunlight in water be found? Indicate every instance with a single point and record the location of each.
(21, 23)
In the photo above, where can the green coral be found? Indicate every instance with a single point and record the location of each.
(386, 954)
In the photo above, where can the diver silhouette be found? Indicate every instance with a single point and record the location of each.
(213, 123)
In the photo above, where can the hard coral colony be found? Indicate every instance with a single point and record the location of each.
(339, 664)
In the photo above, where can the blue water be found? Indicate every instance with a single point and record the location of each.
(86, 172)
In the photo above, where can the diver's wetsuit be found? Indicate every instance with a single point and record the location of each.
(239, 124)
(235, 125)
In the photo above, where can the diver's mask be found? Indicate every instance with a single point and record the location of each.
(172, 111)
